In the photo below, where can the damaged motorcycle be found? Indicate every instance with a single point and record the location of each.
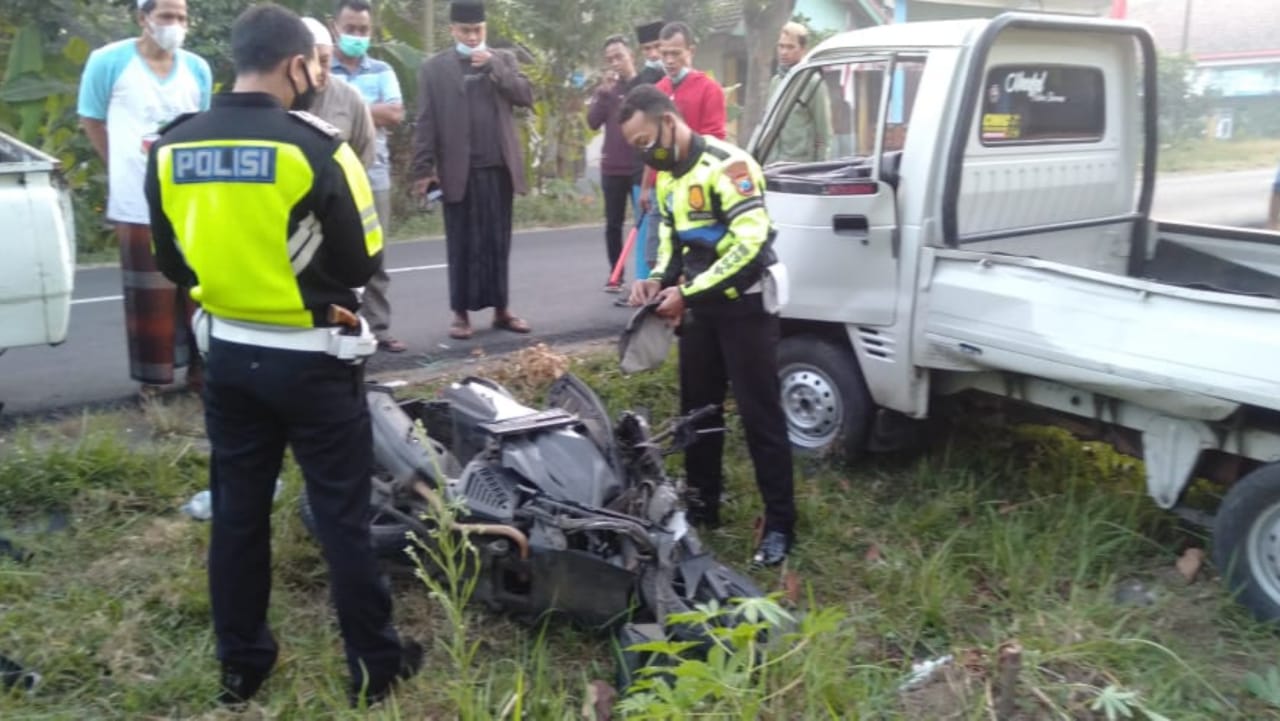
(571, 515)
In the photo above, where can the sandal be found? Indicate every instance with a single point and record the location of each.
(392, 345)
(460, 330)
(511, 323)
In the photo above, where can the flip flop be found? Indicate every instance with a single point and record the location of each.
(460, 331)
(392, 345)
(511, 323)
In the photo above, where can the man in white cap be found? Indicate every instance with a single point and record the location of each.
(338, 102)
(129, 90)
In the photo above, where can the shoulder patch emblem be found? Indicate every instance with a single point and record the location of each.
(316, 123)
(697, 199)
(740, 173)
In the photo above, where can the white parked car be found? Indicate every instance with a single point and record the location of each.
(37, 248)
(980, 221)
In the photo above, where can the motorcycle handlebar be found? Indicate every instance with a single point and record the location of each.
(682, 429)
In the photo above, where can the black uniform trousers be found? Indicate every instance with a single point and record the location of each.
(737, 343)
(257, 400)
(617, 193)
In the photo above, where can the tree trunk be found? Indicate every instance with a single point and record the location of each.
(763, 20)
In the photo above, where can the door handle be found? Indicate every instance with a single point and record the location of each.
(853, 225)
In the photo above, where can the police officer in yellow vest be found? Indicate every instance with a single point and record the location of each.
(267, 215)
(715, 257)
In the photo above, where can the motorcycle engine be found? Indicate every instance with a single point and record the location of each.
(489, 491)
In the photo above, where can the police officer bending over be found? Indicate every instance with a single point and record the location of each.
(715, 246)
(268, 216)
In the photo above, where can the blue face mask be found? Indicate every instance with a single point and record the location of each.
(654, 64)
(466, 50)
(680, 75)
(353, 46)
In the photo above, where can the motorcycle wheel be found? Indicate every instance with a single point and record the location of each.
(387, 534)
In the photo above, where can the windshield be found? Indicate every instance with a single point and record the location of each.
(834, 112)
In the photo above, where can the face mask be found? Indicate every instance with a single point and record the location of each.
(168, 37)
(465, 50)
(662, 157)
(653, 64)
(680, 75)
(305, 99)
(352, 46)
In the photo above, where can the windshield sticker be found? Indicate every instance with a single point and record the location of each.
(1001, 126)
(1043, 103)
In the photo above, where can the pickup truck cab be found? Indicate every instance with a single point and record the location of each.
(37, 247)
(980, 222)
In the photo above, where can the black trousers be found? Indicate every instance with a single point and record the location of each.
(257, 400)
(738, 344)
(617, 193)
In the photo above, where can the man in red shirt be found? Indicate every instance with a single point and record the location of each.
(700, 101)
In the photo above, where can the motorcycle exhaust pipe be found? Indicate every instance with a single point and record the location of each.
(485, 529)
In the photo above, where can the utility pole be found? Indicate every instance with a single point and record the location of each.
(428, 25)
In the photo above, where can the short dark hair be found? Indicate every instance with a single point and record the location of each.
(360, 6)
(670, 30)
(266, 35)
(147, 7)
(647, 99)
(614, 40)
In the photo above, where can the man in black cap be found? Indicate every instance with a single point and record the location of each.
(650, 42)
(469, 147)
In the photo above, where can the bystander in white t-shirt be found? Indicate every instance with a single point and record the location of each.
(119, 88)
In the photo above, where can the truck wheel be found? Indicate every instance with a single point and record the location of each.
(1246, 541)
(824, 397)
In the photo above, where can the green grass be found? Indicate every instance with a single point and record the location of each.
(1208, 156)
(989, 536)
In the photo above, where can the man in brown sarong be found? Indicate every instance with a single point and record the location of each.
(466, 143)
(131, 89)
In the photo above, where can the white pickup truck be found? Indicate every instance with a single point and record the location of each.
(979, 221)
(37, 247)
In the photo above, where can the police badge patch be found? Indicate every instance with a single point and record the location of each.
(697, 200)
(740, 173)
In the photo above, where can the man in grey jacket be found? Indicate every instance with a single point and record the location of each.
(466, 144)
(806, 136)
(338, 103)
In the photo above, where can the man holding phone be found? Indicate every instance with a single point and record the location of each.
(468, 147)
(618, 164)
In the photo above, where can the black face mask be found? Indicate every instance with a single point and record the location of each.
(305, 99)
(662, 157)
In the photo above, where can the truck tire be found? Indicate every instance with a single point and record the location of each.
(1246, 541)
(824, 397)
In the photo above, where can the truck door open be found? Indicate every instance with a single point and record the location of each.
(830, 147)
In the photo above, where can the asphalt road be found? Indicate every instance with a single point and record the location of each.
(556, 280)
(556, 276)
(1237, 198)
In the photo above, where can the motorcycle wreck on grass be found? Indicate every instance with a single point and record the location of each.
(570, 515)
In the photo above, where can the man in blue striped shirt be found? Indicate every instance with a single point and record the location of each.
(377, 82)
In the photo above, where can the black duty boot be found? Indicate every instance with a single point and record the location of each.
(411, 659)
(773, 549)
(240, 683)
